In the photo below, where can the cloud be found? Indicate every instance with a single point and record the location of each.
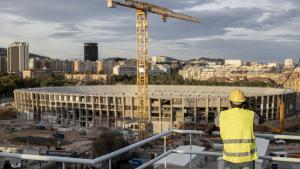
(63, 35)
(229, 28)
(269, 5)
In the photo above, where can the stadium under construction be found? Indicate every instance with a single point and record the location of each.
(170, 107)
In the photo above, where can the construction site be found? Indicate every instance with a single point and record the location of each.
(170, 107)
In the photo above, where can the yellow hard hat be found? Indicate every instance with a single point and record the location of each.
(237, 96)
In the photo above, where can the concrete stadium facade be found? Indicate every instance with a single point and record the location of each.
(170, 107)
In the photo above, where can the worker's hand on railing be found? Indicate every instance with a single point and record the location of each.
(209, 129)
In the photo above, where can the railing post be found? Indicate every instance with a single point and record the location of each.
(165, 150)
(109, 164)
(63, 165)
(190, 150)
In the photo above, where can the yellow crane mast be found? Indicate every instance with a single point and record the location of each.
(142, 8)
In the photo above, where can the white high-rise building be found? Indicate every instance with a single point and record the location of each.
(80, 66)
(17, 57)
(288, 63)
(273, 65)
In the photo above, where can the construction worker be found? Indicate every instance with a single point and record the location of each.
(236, 130)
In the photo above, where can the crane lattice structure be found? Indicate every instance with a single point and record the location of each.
(142, 8)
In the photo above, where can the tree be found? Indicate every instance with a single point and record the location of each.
(6, 165)
(107, 142)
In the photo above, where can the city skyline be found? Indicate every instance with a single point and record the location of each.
(265, 30)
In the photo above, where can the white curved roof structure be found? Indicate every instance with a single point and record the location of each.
(159, 90)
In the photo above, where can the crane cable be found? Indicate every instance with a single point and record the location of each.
(288, 77)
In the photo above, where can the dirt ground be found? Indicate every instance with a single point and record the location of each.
(8, 113)
(34, 136)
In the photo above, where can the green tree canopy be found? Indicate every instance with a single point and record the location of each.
(107, 142)
(6, 165)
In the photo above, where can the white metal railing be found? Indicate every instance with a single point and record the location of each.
(270, 136)
(207, 153)
(164, 135)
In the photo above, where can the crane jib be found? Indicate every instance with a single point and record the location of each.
(147, 7)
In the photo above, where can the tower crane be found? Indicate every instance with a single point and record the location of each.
(281, 106)
(142, 9)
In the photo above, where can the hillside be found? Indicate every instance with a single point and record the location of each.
(204, 59)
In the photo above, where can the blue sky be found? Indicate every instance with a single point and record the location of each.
(265, 30)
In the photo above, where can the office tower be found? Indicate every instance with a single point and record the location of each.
(2, 64)
(17, 57)
(91, 51)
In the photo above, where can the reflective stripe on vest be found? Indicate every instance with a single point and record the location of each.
(240, 154)
(237, 141)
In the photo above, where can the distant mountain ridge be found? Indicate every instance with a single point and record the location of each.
(32, 55)
(3, 53)
(218, 60)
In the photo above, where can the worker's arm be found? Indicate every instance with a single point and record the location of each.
(258, 124)
(258, 119)
(212, 126)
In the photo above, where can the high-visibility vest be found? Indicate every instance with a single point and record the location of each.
(236, 129)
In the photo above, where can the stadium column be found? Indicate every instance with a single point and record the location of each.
(149, 109)
(17, 103)
(79, 110)
(206, 109)
(93, 110)
(100, 111)
(50, 106)
(108, 113)
(273, 106)
(171, 109)
(86, 111)
(56, 108)
(123, 112)
(267, 107)
(115, 111)
(195, 113)
(159, 113)
(182, 110)
(74, 114)
(132, 108)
